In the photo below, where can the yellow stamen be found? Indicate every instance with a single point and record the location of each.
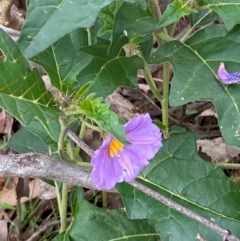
(114, 147)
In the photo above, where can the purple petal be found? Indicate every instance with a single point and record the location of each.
(132, 163)
(144, 135)
(146, 139)
(227, 78)
(106, 170)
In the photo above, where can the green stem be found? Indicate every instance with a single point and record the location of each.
(173, 28)
(186, 35)
(165, 99)
(150, 81)
(62, 203)
(225, 165)
(81, 135)
(90, 125)
(64, 207)
(162, 36)
(89, 36)
(105, 199)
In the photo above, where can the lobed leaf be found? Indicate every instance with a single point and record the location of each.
(56, 18)
(63, 66)
(130, 22)
(105, 118)
(108, 73)
(195, 65)
(173, 13)
(178, 173)
(228, 10)
(22, 91)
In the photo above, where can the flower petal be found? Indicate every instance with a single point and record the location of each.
(227, 78)
(106, 170)
(132, 164)
(127, 162)
(144, 135)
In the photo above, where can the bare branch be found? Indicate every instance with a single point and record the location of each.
(80, 142)
(37, 165)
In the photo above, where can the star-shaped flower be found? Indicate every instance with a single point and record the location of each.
(114, 162)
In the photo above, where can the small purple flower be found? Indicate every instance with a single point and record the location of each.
(114, 163)
(227, 78)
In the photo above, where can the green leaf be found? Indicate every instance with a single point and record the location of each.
(79, 38)
(25, 141)
(6, 206)
(195, 74)
(63, 66)
(93, 223)
(203, 17)
(105, 118)
(22, 91)
(107, 15)
(178, 173)
(47, 21)
(110, 72)
(62, 237)
(38, 129)
(174, 12)
(228, 10)
(77, 196)
(130, 21)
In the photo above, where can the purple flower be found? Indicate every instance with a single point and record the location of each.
(114, 162)
(227, 78)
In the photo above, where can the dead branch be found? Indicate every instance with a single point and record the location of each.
(37, 165)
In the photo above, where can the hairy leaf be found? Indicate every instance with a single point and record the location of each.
(174, 12)
(108, 73)
(22, 91)
(49, 20)
(178, 173)
(63, 66)
(130, 21)
(197, 79)
(104, 117)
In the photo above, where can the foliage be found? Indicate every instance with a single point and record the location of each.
(81, 46)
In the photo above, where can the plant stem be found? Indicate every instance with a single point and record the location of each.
(64, 208)
(225, 165)
(81, 135)
(165, 99)
(173, 28)
(150, 81)
(186, 35)
(63, 205)
(89, 36)
(90, 125)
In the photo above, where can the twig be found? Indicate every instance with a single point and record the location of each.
(223, 232)
(45, 226)
(80, 143)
